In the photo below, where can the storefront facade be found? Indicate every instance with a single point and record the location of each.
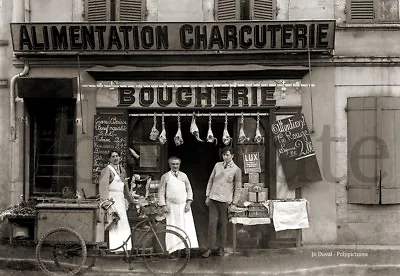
(166, 71)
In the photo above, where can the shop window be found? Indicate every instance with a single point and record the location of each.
(372, 11)
(373, 151)
(52, 146)
(114, 10)
(245, 9)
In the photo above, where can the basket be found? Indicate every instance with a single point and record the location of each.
(151, 210)
(258, 210)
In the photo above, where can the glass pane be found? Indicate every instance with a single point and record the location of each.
(53, 147)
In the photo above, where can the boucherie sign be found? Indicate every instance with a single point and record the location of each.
(148, 37)
(196, 97)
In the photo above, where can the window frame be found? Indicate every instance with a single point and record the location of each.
(377, 13)
(32, 143)
(117, 3)
(238, 9)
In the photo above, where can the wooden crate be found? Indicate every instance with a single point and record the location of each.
(258, 210)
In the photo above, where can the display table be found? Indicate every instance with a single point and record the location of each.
(245, 221)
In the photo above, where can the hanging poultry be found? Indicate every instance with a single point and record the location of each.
(163, 136)
(210, 135)
(258, 138)
(178, 139)
(226, 138)
(154, 131)
(194, 129)
(242, 136)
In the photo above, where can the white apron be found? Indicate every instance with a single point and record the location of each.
(119, 233)
(176, 196)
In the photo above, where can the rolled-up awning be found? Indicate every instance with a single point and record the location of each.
(185, 72)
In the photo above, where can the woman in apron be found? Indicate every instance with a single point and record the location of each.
(113, 184)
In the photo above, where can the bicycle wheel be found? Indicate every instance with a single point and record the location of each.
(93, 251)
(165, 252)
(61, 251)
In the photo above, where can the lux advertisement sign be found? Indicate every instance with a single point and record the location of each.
(151, 37)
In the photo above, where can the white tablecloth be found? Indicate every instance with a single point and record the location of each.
(250, 221)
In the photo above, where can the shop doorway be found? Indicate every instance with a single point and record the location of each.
(198, 160)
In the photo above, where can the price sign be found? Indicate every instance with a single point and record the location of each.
(110, 132)
(292, 138)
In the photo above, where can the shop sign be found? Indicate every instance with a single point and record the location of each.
(196, 97)
(183, 38)
(251, 162)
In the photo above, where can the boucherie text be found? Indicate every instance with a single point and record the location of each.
(145, 36)
(196, 97)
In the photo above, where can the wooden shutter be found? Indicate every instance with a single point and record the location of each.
(362, 181)
(262, 10)
(361, 10)
(227, 9)
(96, 10)
(389, 149)
(130, 10)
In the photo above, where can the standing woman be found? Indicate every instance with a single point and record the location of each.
(113, 184)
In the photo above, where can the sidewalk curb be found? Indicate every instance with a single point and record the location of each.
(340, 269)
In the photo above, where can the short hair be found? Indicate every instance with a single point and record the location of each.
(112, 151)
(226, 149)
(174, 158)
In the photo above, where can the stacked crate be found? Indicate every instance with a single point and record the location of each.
(253, 191)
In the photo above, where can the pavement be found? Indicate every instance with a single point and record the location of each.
(306, 260)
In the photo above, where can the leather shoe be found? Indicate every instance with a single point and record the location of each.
(206, 254)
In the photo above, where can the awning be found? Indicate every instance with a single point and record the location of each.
(186, 72)
(47, 87)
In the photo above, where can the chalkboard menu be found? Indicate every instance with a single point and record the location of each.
(110, 132)
(295, 151)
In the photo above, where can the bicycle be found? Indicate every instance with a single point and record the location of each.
(63, 250)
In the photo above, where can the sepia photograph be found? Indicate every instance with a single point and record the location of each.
(199, 137)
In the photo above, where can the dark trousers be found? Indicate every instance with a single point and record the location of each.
(217, 220)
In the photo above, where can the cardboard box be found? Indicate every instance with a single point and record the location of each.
(259, 196)
(254, 178)
(244, 194)
(258, 210)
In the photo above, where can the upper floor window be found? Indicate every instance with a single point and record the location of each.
(245, 9)
(114, 10)
(372, 11)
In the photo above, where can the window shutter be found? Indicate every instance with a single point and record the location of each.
(263, 10)
(361, 10)
(227, 9)
(362, 178)
(389, 149)
(96, 10)
(130, 10)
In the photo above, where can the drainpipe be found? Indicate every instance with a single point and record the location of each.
(15, 99)
(18, 16)
(15, 149)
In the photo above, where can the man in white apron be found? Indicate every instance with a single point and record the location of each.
(175, 195)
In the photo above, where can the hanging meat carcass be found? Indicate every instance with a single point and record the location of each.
(242, 136)
(154, 131)
(178, 139)
(163, 136)
(226, 138)
(258, 138)
(210, 135)
(194, 129)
